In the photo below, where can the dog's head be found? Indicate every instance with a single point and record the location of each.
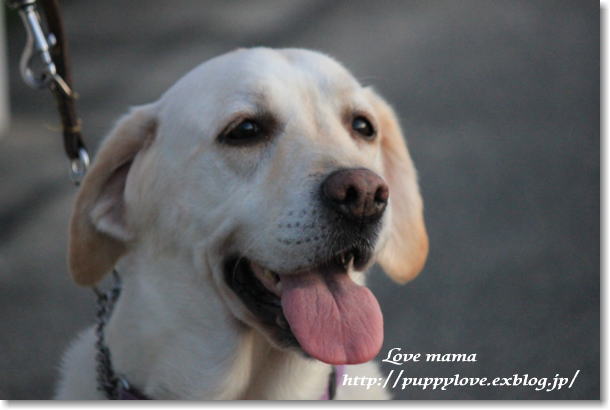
(282, 178)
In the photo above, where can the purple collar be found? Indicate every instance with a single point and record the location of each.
(127, 392)
(333, 381)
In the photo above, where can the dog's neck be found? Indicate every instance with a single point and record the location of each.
(172, 337)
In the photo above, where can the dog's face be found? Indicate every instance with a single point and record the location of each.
(282, 177)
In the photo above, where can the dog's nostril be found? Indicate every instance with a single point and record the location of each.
(351, 195)
(382, 194)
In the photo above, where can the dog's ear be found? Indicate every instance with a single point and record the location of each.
(98, 229)
(404, 254)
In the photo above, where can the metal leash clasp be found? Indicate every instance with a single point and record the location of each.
(39, 71)
(36, 64)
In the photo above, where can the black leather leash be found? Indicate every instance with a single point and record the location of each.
(45, 64)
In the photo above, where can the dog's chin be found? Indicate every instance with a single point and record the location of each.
(264, 292)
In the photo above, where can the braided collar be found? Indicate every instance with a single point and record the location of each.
(116, 387)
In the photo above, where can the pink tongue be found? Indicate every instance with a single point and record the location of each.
(334, 319)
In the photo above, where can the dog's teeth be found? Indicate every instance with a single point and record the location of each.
(281, 321)
(268, 274)
(278, 286)
(345, 259)
(350, 263)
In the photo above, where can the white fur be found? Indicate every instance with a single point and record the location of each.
(178, 331)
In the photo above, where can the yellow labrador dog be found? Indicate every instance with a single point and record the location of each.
(242, 209)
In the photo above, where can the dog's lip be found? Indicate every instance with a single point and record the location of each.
(357, 257)
(264, 304)
(260, 288)
(341, 261)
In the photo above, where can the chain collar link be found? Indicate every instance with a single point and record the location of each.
(107, 380)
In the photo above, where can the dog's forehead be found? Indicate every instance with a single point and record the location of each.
(259, 75)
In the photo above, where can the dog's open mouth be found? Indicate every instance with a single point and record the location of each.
(332, 318)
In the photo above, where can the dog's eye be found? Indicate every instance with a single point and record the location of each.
(244, 132)
(363, 127)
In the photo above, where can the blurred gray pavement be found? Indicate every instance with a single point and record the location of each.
(500, 104)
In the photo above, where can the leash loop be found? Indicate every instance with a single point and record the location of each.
(79, 166)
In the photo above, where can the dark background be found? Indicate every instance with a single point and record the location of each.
(500, 104)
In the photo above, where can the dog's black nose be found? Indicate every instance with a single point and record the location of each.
(358, 194)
